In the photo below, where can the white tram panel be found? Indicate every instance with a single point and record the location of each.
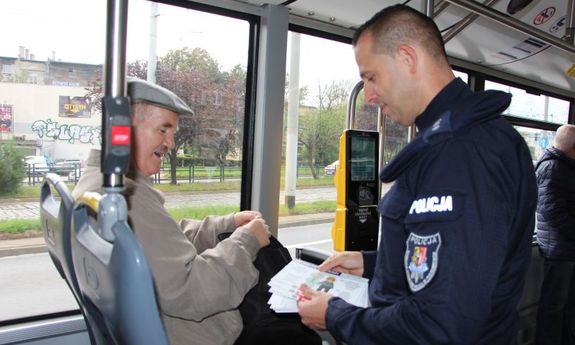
(499, 47)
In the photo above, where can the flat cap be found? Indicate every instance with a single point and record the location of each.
(143, 91)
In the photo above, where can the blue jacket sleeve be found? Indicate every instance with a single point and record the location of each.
(369, 258)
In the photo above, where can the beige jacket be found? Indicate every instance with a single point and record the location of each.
(199, 282)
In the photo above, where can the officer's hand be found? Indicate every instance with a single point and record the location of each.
(244, 217)
(260, 230)
(346, 262)
(312, 307)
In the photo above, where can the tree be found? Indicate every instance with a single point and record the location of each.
(220, 142)
(95, 91)
(320, 128)
(11, 169)
(303, 92)
(186, 60)
(215, 96)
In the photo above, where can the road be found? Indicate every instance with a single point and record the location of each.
(31, 209)
(32, 286)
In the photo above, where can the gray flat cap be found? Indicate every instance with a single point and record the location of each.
(143, 91)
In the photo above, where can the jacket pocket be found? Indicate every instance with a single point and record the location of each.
(395, 204)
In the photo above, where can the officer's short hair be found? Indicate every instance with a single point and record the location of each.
(399, 24)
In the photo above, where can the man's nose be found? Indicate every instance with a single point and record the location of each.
(370, 96)
(170, 141)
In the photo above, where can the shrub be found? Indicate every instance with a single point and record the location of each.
(11, 169)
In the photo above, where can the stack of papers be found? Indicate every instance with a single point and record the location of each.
(285, 284)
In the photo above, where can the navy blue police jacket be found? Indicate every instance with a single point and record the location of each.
(456, 231)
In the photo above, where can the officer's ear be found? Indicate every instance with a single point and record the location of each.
(407, 58)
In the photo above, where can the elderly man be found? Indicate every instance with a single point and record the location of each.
(199, 280)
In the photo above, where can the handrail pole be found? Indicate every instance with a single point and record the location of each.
(350, 118)
(115, 65)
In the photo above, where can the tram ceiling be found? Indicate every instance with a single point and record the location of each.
(538, 52)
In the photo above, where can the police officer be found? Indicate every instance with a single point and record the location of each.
(458, 221)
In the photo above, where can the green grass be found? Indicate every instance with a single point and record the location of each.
(201, 212)
(308, 208)
(199, 187)
(33, 192)
(20, 226)
(301, 208)
(25, 192)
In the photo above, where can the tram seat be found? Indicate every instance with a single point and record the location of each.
(55, 217)
(114, 278)
(56, 220)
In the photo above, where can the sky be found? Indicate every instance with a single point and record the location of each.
(74, 31)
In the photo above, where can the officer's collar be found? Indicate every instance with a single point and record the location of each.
(439, 104)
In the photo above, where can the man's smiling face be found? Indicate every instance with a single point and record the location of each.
(153, 130)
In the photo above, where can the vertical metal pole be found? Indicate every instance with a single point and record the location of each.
(412, 130)
(115, 66)
(429, 8)
(116, 29)
(570, 21)
(269, 110)
(350, 119)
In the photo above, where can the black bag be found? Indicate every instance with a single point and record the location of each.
(261, 324)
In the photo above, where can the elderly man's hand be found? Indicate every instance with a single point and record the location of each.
(260, 230)
(312, 307)
(244, 217)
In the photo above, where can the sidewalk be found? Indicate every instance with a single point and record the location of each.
(36, 244)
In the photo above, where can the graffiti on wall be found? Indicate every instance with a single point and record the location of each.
(69, 133)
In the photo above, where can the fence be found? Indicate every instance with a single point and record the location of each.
(200, 173)
(34, 173)
(191, 174)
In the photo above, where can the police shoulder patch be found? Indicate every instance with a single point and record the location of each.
(421, 259)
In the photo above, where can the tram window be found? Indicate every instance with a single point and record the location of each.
(49, 107)
(203, 58)
(538, 107)
(325, 71)
(464, 76)
(394, 140)
(44, 112)
(537, 140)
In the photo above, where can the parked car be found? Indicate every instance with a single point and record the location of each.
(36, 165)
(329, 169)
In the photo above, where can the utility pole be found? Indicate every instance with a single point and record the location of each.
(292, 122)
(152, 57)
